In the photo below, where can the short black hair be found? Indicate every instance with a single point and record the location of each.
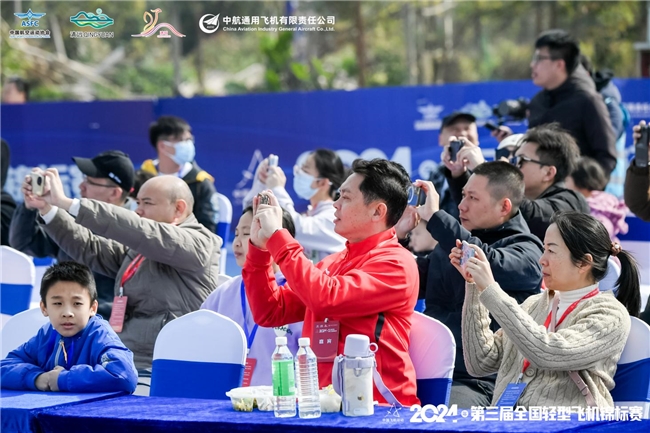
(504, 181)
(330, 167)
(561, 45)
(141, 176)
(555, 147)
(72, 272)
(387, 181)
(167, 126)
(589, 174)
(287, 220)
(21, 85)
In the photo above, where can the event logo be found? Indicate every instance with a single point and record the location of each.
(430, 116)
(481, 110)
(30, 20)
(89, 19)
(96, 21)
(393, 414)
(209, 23)
(152, 26)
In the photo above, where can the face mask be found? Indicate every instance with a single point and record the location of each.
(185, 152)
(302, 185)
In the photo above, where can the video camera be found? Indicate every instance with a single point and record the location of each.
(511, 109)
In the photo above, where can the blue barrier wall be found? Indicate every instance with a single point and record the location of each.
(234, 133)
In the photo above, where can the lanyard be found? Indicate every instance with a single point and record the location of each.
(552, 325)
(130, 271)
(250, 337)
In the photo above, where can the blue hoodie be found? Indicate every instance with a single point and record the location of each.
(97, 360)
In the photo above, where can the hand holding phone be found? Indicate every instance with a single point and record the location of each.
(38, 183)
(468, 253)
(273, 160)
(417, 196)
(641, 147)
(454, 147)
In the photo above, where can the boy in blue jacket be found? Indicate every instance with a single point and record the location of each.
(77, 351)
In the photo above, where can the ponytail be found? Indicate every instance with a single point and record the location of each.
(629, 293)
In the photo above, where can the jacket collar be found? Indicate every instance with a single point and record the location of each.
(514, 226)
(360, 248)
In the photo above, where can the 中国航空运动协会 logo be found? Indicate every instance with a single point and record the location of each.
(30, 20)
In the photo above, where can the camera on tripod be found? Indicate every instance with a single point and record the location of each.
(511, 109)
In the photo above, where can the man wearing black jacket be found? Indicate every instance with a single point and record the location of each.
(546, 157)
(569, 97)
(490, 218)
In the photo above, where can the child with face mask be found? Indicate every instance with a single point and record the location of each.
(317, 180)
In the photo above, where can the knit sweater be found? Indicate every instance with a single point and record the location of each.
(590, 340)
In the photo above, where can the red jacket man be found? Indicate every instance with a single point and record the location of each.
(371, 287)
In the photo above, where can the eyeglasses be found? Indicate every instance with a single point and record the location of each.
(90, 182)
(520, 159)
(539, 57)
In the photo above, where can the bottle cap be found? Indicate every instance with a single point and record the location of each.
(280, 341)
(357, 345)
(304, 341)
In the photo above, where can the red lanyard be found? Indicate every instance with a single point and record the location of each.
(566, 313)
(131, 270)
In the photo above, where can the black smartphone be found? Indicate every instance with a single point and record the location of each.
(491, 125)
(454, 147)
(417, 196)
(641, 148)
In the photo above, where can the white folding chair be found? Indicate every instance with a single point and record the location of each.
(632, 378)
(199, 355)
(433, 352)
(20, 328)
(223, 227)
(17, 276)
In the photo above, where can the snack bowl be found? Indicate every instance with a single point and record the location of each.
(242, 399)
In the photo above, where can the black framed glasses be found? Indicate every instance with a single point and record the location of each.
(90, 182)
(539, 57)
(519, 161)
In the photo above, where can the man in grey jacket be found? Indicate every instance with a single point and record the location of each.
(163, 260)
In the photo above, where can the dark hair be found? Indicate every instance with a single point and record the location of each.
(141, 176)
(167, 126)
(504, 181)
(287, 220)
(589, 174)
(5, 157)
(21, 85)
(72, 272)
(330, 167)
(555, 147)
(561, 45)
(583, 234)
(387, 181)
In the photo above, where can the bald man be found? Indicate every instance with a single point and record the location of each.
(165, 263)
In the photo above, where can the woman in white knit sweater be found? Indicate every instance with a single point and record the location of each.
(558, 339)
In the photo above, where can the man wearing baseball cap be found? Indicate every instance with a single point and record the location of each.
(108, 177)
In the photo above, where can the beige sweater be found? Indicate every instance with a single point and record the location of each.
(590, 340)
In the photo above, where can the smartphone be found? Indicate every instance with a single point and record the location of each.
(264, 199)
(641, 147)
(468, 253)
(417, 196)
(504, 152)
(273, 160)
(454, 147)
(491, 125)
(38, 184)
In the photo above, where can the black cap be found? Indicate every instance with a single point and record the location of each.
(113, 165)
(453, 117)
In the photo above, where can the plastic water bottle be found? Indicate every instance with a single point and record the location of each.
(307, 378)
(284, 382)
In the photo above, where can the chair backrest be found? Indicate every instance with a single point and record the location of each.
(613, 272)
(17, 276)
(20, 328)
(199, 355)
(433, 352)
(223, 227)
(632, 378)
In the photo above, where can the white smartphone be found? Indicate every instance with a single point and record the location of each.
(273, 160)
(38, 184)
(468, 253)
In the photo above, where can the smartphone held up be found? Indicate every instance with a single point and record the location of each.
(467, 253)
(38, 184)
(454, 147)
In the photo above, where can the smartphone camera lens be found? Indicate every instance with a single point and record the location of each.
(39, 181)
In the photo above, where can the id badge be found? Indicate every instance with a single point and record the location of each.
(117, 314)
(248, 371)
(511, 395)
(325, 343)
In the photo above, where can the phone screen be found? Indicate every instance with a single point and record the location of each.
(641, 148)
